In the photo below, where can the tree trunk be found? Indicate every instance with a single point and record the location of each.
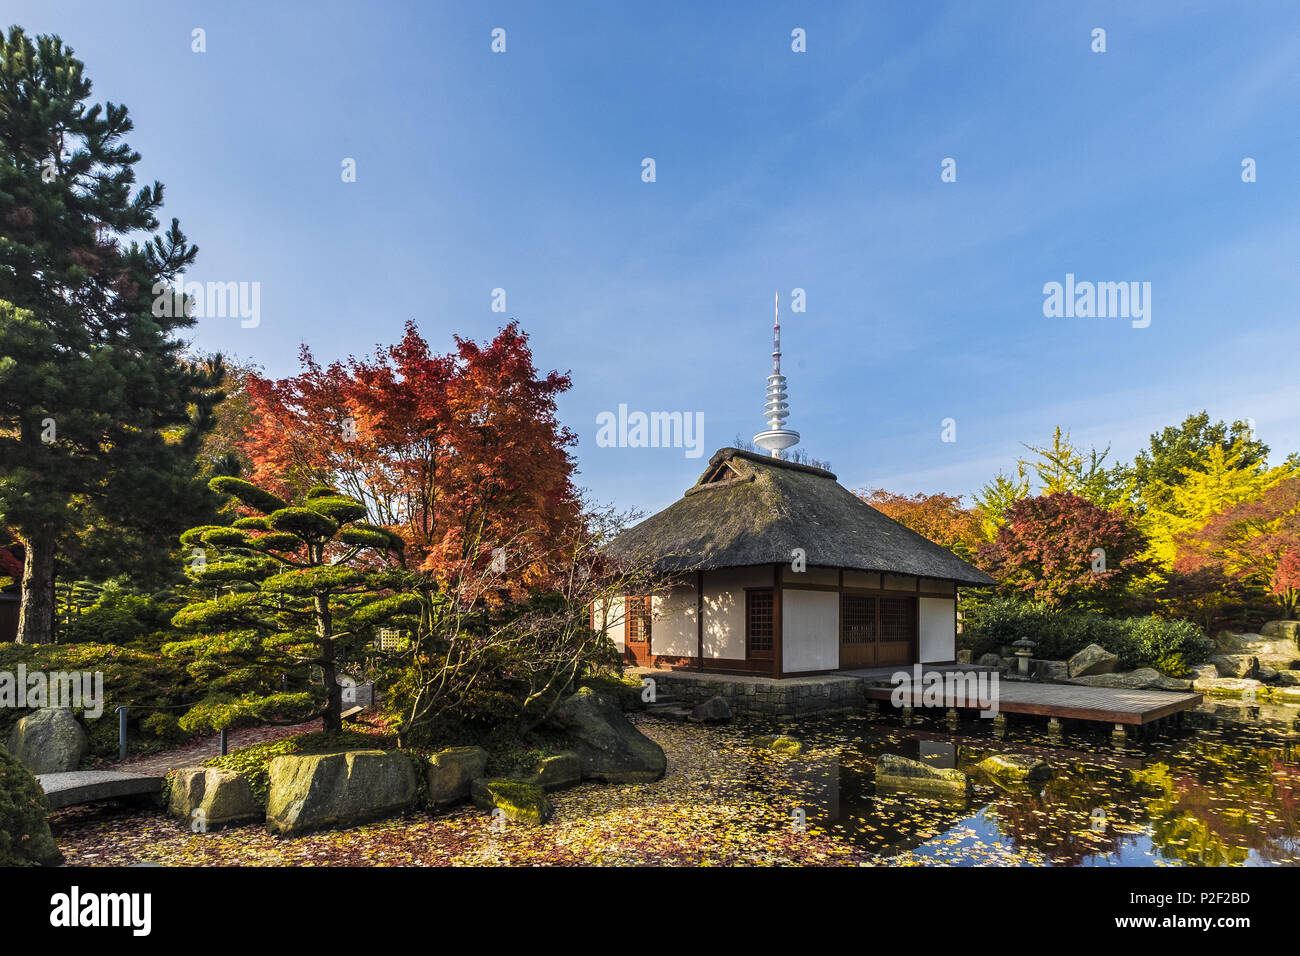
(329, 677)
(36, 617)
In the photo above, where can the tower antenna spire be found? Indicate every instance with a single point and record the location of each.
(777, 437)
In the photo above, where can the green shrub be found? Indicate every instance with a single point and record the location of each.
(622, 688)
(25, 838)
(116, 617)
(145, 682)
(164, 726)
(1171, 646)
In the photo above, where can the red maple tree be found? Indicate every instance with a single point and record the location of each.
(1256, 542)
(1047, 550)
(460, 453)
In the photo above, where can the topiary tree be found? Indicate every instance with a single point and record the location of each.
(285, 588)
(25, 838)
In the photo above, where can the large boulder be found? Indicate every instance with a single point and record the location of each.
(715, 710)
(312, 792)
(1235, 665)
(558, 771)
(1282, 630)
(1130, 680)
(520, 802)
(901, 773)
(223, 798)
(1144, 678)
(989, 660)
(610, 748)
(1280, 653)
(25, 836)
(1093, 659)
(1288, 678)
(49, 740)
(1243, 687)
(1204, 671)
(1016, 768)
(1052, 670)
(449, 773)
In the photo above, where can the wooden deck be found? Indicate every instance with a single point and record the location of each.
(1070, 701)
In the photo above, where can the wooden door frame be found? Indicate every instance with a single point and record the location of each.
(648, 611)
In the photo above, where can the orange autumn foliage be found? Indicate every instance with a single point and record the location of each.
(459, 453)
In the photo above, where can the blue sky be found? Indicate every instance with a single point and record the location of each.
(775, 170)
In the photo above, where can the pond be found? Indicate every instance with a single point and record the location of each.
(1222, 789)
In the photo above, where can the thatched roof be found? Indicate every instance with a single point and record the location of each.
(753, 509)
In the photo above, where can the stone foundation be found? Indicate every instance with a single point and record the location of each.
(791, 697)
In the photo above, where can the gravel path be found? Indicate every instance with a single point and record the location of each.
(195, 752)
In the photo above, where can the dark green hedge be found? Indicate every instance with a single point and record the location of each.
(1171, 646)
(25, 838)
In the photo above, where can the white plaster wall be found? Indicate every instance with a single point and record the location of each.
(724, 608)
(672, 631)
(613, 622)
(938, 640)
(810, 627)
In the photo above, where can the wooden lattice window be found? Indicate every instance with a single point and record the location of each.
(857, 619)
(760, 626)
(897, 619)
(638, 618)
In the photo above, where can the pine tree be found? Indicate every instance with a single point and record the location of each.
(100, 419)
(291, 586)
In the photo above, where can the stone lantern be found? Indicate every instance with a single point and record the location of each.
(1024, 649)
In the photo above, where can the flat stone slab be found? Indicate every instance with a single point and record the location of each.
(87, 786)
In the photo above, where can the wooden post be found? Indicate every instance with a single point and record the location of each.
(778, 658)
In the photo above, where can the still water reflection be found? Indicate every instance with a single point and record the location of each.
(1221, 790)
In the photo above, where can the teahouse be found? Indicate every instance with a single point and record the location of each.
(773, 568)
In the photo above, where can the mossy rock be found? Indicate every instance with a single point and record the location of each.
(895, 773)
(313, 792)
(558, 771)
(25, 838)
(449, 773)
(1016, 768)
(779, 743)
(217, 798)
(520, 802)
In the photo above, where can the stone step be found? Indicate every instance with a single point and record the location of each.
(670, 713)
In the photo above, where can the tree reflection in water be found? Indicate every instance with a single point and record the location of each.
(1225, 794)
